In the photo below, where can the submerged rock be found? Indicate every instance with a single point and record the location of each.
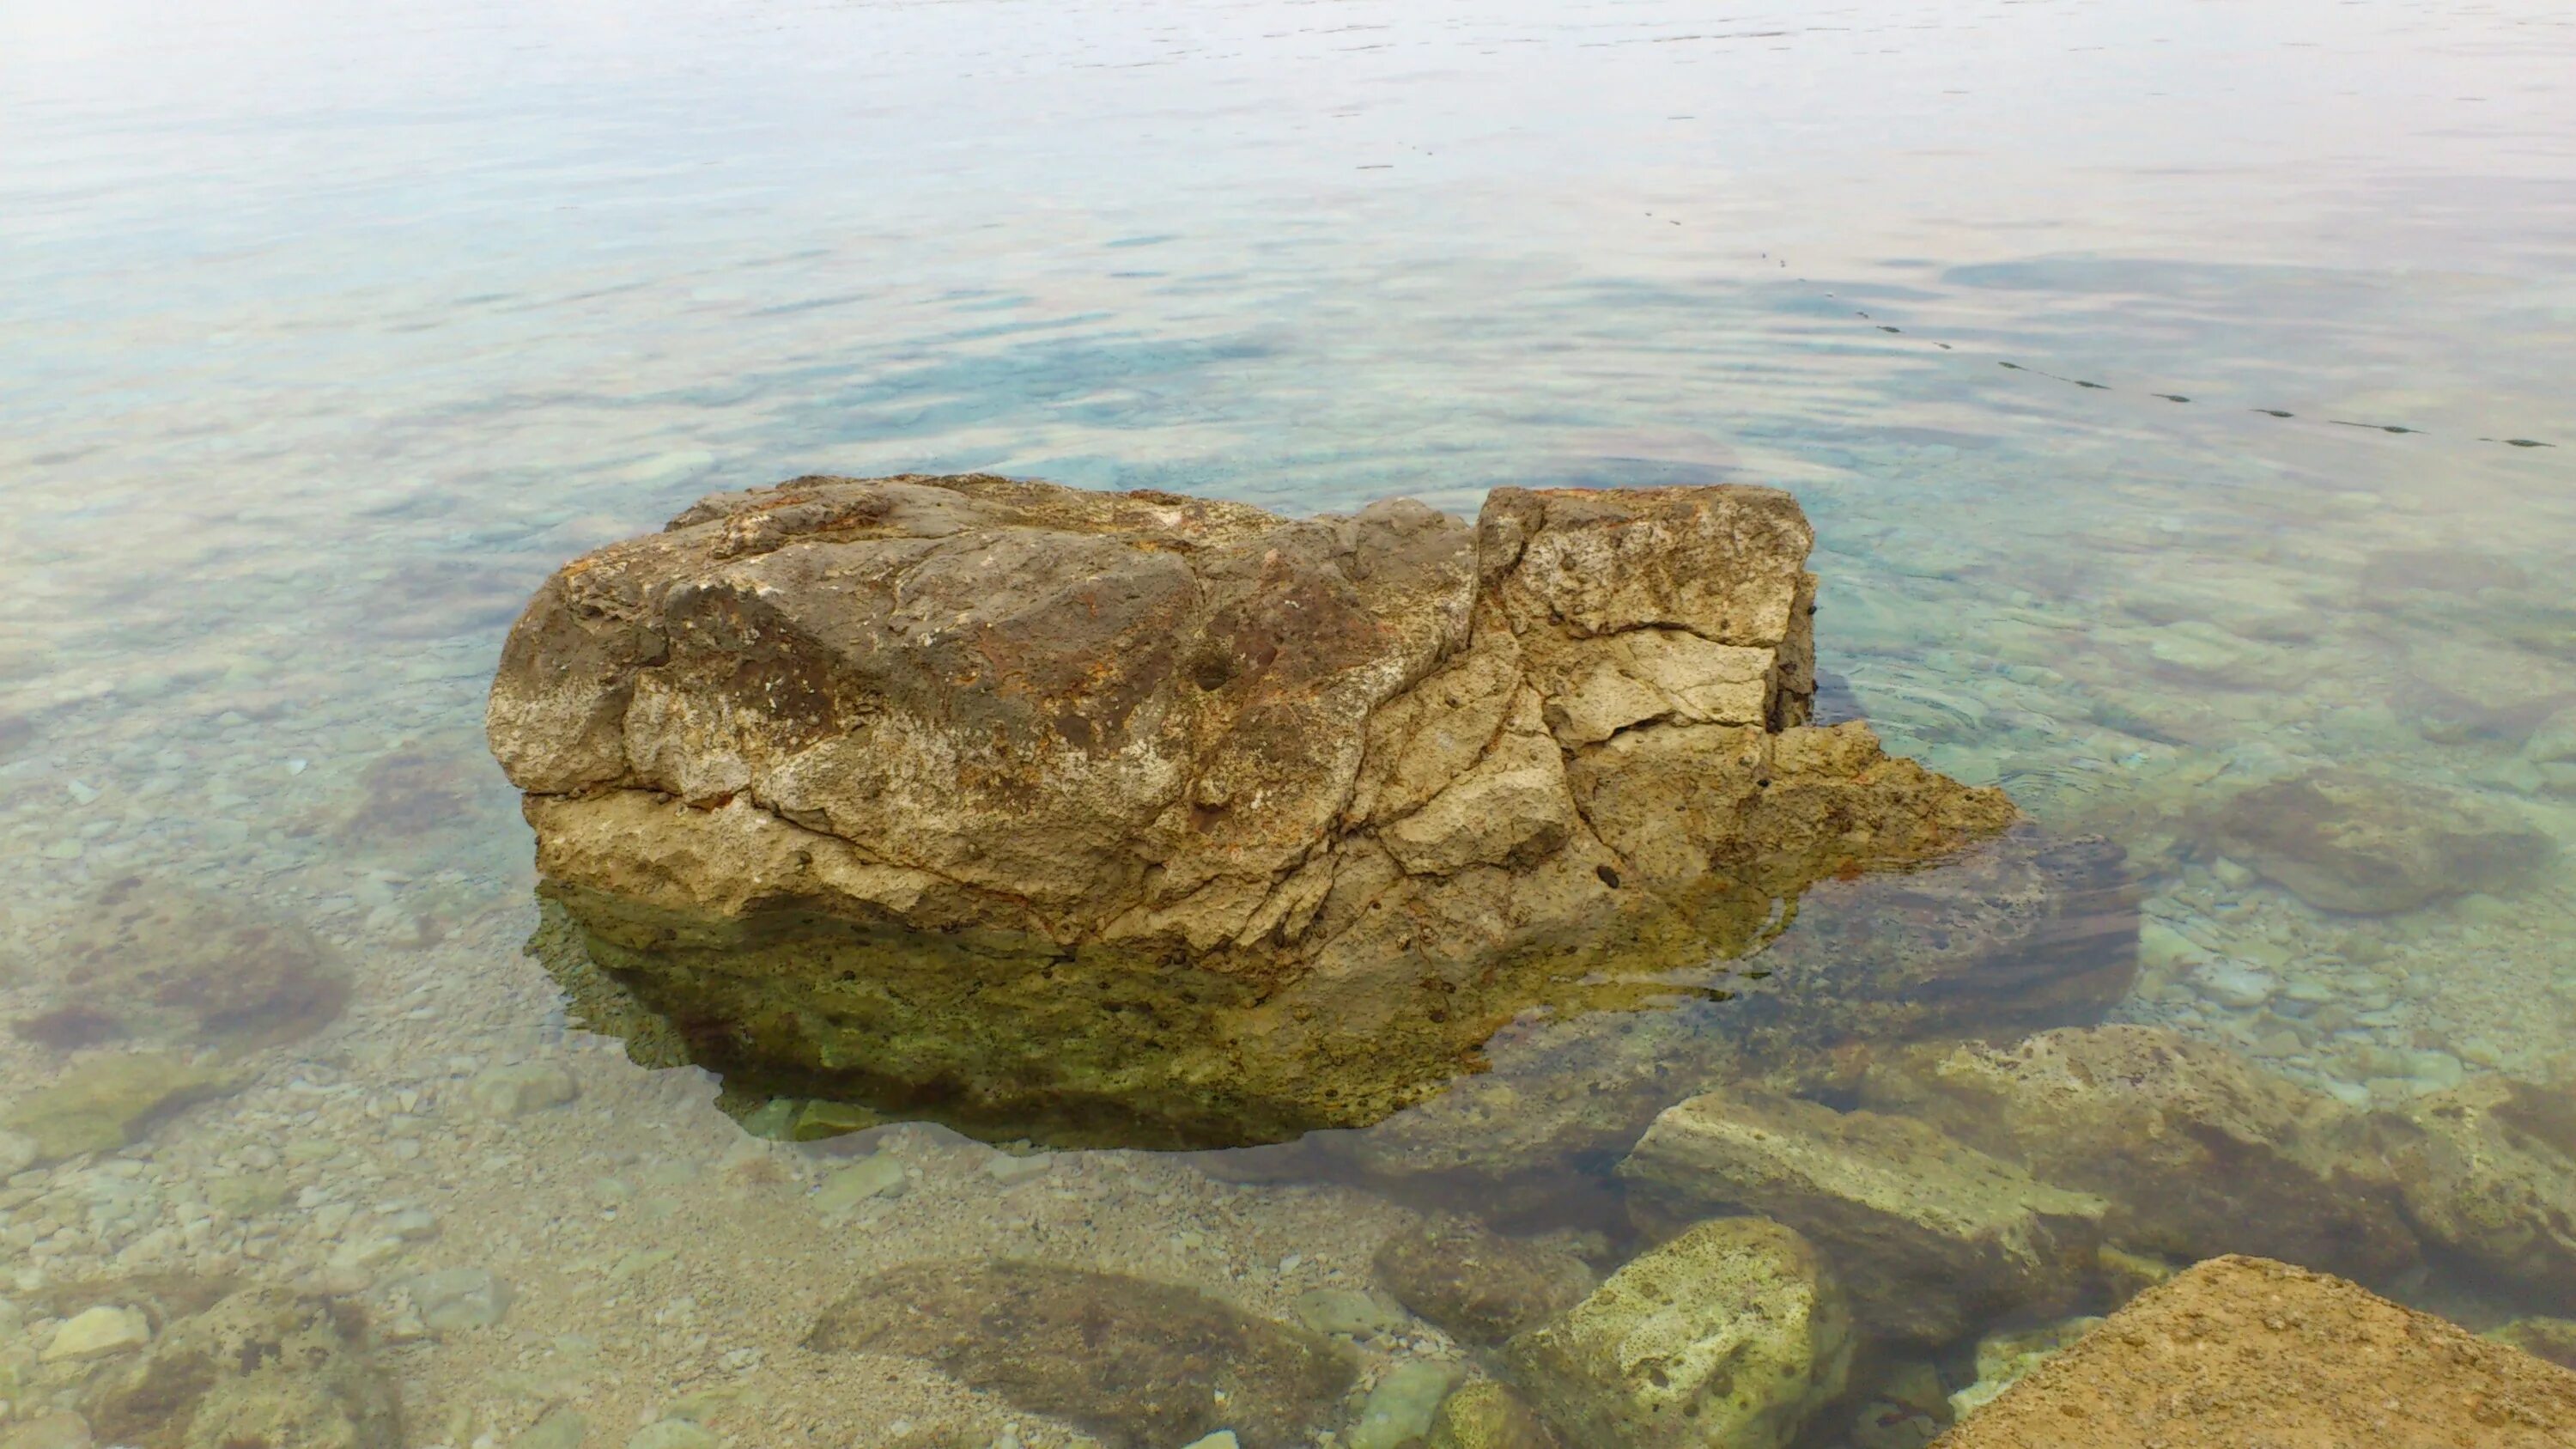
(1488, 1415)
(1928, 1235)
(157, 963)
(1142, 1365)
(1145, 819)
(2241, 1351)
(2004, 1359)
(2196, 1151)
(1479, 1285)
(1730, 1336)
(2344, 841)
(105, 1102)
(2551, 1338)
(97, 1332)
(1399, 1410)
(2488, 1171)
(262, 1366)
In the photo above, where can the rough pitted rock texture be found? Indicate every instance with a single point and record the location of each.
(1728, 1337)
(2196, 1151)
(2240, 1352)
(1487, 1415)
(995, 799)
(1142, 1365)
(2345, 841)
(262, 1366)
(2488, 1171)
(1929, 1236)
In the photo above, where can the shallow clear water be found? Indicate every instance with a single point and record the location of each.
(2180, 393)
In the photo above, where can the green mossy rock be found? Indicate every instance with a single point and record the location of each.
(1730, 1336)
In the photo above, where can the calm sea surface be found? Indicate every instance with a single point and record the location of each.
(2184, 394)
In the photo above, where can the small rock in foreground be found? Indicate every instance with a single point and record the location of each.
(1728, 1337)
(2241, 1351)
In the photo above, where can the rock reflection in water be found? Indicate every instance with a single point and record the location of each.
(2022, 933)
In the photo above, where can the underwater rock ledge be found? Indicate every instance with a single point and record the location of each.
(1142, 819)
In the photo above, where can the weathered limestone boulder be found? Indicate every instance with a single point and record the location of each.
(1105, 815)
(2196, 1151)
(1139, 1364)
(1928, 1236)
(2488, 1171)
(1730, 1336)
(1479, 1285)
(2241, 1351)
(2345, 841)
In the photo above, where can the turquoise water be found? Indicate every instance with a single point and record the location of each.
(2180, 393)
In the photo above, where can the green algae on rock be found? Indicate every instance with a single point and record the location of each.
(1137, 819)
(1730, 1336)
(1142, 1365)
(105, 1102)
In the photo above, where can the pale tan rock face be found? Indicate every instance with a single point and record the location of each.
(2243, 1351)
(1198, 798)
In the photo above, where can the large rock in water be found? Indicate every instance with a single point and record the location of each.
(1142, 818)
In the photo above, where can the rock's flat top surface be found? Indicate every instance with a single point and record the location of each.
(2240, 1352)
